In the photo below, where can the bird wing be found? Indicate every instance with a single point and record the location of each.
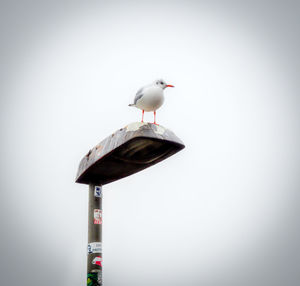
(137, 97)
(139, 94)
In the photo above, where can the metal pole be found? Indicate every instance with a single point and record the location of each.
(94, 249)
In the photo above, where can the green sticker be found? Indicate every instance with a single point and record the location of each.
(94, 279)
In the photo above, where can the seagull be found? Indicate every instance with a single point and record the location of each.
(150, 97)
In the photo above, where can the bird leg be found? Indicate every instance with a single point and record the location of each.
(155, 118)
(143, 116)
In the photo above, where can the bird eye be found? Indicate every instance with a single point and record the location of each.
(161, 82)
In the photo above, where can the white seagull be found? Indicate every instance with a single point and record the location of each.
(150, 97)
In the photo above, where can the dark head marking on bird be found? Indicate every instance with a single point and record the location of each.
(162, 84)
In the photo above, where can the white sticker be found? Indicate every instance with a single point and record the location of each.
(94, 247)
(98, 192)
(97, 216)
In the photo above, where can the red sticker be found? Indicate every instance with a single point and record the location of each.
(97, 216)
(97, 260)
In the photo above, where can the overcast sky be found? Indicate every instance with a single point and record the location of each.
(224, 211)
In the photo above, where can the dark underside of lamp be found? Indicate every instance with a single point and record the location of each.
(127, 151)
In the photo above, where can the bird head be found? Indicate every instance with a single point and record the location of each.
(162, 84)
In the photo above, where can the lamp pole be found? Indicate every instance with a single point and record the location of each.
(94, 249)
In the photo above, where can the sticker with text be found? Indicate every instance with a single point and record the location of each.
(98, 192)
(97, 216)
(94, 247)
(97, 260)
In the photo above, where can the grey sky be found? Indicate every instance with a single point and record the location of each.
(224, 211)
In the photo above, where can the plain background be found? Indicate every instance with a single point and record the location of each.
(224, 211)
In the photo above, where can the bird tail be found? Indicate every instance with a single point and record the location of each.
(131, 104)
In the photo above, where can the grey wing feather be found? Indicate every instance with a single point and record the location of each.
(139, 95)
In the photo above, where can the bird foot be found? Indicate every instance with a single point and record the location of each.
(155, 123)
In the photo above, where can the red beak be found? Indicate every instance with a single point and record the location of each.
(170, 85)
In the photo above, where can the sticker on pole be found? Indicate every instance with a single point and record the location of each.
(94, 247)
(98, 261)
(94, 278)
(98, 192)
(97, 216)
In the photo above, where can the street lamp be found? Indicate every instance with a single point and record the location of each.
(127, 151)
